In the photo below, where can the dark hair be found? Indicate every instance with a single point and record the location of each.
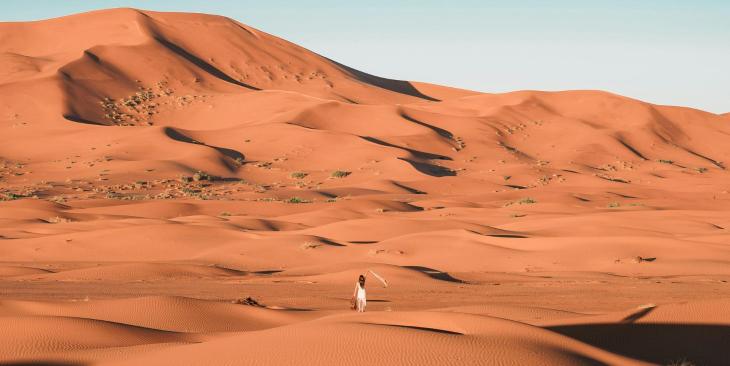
(361, 279)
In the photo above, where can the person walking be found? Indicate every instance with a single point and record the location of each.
(359, 298)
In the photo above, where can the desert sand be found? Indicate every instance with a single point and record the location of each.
(156, 169)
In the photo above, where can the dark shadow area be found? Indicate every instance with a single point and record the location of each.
(416, 153)
(398, 86)
(514, 186)
(430, 169)
(363, 241)
(435, 274)
(268, 272)
(330, 242)
(631, 148)
(440, 131)
(433, 330)
(637, 315)
(512, 236)
(230, 153)
(201, 64)
(76, 118)
(621, 195)
(714, 162)
(701, 344)
(410, 190)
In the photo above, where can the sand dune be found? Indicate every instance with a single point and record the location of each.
(186, 189)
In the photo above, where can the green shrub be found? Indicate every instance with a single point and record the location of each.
(296, 200)
(340, 174)
(299, 175)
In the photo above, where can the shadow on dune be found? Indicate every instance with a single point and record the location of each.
(398, 86)
(435, 274)
(430, 169)
(701, 344)
(179, 136)
(417, 153)
(197, 61)
(424, 329)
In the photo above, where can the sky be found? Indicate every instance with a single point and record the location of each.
(661, 51)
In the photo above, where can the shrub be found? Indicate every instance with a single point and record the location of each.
(613, 205)
(663, 161)
(526, 201)
(199, 175)
(299, 175)
(310, 245)
(340, 174)
(58, 220)
(10, 196)
(297, 200)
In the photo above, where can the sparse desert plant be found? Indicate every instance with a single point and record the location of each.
(299, 175)
(507, 177)
(310, 245)
(296, 200)
(200, 175)
(340, 174)
(521, 201)
(10, 196)
(225, 213)
(58, 220)
(613, 205)
(526, 201)
(250, 301)
(665, 161)
(701, 170)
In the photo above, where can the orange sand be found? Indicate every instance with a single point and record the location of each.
(526, 228)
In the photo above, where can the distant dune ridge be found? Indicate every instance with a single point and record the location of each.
(157, 169)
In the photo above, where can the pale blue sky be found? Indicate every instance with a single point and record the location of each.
(662, 51)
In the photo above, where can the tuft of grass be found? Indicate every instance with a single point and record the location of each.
(664, 161)
(701, 170)
(297, 200)
(613, 205)
(521, 201)
(225, 213)
(507, 177)
(340, 174)
(299, 175)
